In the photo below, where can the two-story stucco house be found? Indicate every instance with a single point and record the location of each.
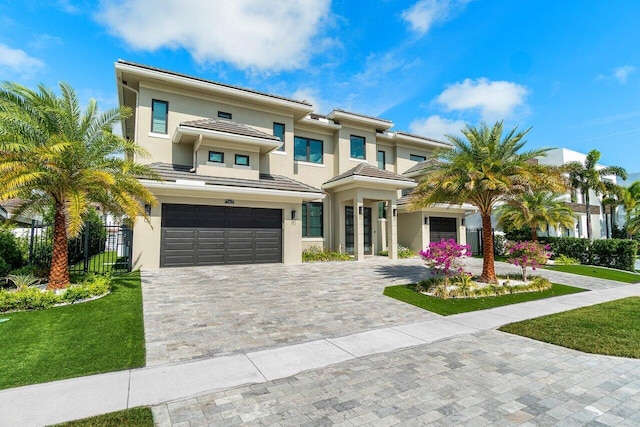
(251, 177)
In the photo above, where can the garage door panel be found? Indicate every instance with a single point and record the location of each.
(212, 235)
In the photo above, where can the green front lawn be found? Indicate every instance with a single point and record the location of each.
(599, 272)
(611, 328)
(446, 307)
(74, 340)
(134, 417)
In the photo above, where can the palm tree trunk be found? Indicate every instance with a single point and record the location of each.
(59, 274)
(534, 233)
(488, 263)
(586, 203)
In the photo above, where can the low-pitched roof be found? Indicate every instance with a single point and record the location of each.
(163, 70)
(367, 170)
(228, 127)
(418, 167)
(171, 172)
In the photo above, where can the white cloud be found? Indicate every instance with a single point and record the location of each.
(250, 34)
(310, 95)
(622, 73)
(18, 62)
(436, 127)
(495, 100)
(423, 15)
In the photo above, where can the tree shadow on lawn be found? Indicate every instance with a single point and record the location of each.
(403, 274)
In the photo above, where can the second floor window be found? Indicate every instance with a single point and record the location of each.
(278, 130)
(159, 115)
(216, 157)
(417, 158)
(224, 115)
(381, 159)
(357, 147)
(312, 219)
(242, 160)
(307, 150)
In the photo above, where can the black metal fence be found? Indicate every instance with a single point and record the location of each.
(474, 240)
(100, 249)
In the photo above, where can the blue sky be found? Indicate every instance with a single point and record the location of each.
(568, 69)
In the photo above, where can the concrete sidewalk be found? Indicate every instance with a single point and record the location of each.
(59, 401)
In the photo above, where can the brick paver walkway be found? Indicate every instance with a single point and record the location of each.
(488, 378)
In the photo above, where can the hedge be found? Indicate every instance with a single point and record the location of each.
(613, 253)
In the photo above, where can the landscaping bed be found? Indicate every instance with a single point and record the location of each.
(611, 328)
(446, 307)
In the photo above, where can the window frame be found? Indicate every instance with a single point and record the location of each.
(308, 142)
(216, 161)
(166, 116)
(245, 156)
(281, 148)
(384, 159)
(306, 220)
(415, 157)
(363, 140)
(225, 115)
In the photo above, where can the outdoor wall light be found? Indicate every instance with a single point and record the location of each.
(360, 210)
(395, 212)
(293, 214)
(147, 209)
(462, 222)
(426, 220)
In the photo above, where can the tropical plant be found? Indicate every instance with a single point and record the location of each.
(483, 169)
(588, 177)
(535, 210)
(527, 254)
(615, 196)
(632, 206)
(22, 281)
(445, 257)
(52, 154)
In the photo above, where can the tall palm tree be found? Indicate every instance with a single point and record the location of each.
(483, 169)
(587, 177)
(534, 210)
(614, 197)
(632, 207)
(54, 155)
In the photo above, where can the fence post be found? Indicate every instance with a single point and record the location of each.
(130, 248)
(33, 226)
(87, 229)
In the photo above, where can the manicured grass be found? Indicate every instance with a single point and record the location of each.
(599, 272)
(611, 328)
(134, 417)
(74, 340)
(102, 263)
(446, 307)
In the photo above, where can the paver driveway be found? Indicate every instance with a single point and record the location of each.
(206, 311)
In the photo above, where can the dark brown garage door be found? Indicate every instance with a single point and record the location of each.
(442, 228)
(212, 235)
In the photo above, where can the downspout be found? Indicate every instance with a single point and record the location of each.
(135, 118)
(330, 238)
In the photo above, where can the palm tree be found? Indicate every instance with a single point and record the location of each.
(483, 169)
(614, 197)
(632, 206)
(53, 155)
(587, 177)
(534, 210)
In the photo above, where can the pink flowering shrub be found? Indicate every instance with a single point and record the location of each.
(445, 257)
(527, 254)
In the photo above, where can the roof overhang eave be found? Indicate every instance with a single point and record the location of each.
(365, 181)
(159, 187)
(265, 145)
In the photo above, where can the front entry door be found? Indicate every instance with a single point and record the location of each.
(350, 230)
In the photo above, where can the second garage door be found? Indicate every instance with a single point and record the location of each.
(212, 235)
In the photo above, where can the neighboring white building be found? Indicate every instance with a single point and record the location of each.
(559, 157)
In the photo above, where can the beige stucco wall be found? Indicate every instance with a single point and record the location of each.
(146, 237)
(410, 232)
(403, 153)
(314, 174)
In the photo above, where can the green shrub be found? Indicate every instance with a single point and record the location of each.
(615, 253)
(565, 260)
(573, 247)
(403, 252)
(316, 253)
(499, 245)
(22, 281)
(10, 254)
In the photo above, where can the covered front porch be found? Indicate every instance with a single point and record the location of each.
(364, 210)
